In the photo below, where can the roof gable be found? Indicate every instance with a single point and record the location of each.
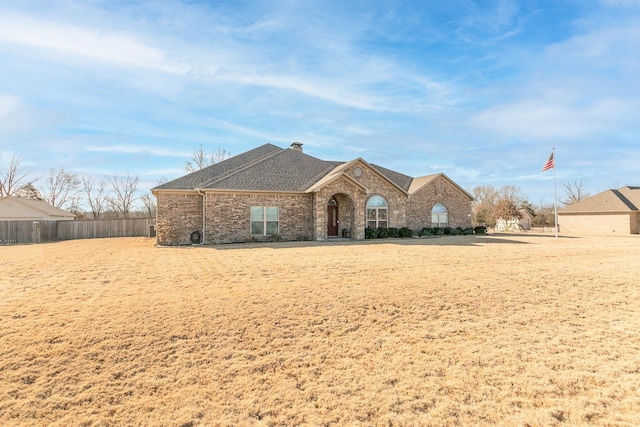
(341, 169)
(625, 199)
(36, 206)
(422, 181)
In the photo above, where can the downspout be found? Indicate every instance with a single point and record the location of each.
(202, 193)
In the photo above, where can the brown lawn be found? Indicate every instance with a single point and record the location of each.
(515, 330)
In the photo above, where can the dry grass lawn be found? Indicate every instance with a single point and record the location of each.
(513, 330)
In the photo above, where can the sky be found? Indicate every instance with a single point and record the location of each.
(480, 90)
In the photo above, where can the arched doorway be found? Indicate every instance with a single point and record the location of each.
(340, 216)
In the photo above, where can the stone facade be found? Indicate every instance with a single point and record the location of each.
(303, 215)
(440, 190)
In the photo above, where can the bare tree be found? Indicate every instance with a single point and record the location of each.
(60, 188)
(149, 204)
(95, 194)
(123, 193)
(201, 159)
(485, 199)
(574, 191)
(512, 193)
(14, 177)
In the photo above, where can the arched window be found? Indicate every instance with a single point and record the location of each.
(439, 216)
(377, 212)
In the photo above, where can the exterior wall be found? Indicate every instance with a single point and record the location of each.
(229, 216)
(441, 190)
(375, 184)
(183, 213)
(598, 223)
(350, 198)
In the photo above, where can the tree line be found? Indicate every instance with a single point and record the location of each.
(116, 196)
(508, 202)
(90, 197)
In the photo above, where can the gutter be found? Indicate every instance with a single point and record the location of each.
(202, 193)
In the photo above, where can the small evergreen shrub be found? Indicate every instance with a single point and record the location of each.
(370, 233)
(405, 232)
(447, 230)
(393, 232)
(382, 233)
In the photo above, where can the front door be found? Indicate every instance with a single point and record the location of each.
(332, 218)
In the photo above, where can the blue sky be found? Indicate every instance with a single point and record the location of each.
(479, 90)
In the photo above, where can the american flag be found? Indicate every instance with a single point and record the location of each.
(550, 163)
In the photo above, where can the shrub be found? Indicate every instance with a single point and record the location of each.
(167, 233)
(393, 232)
(382, 233)
(438, 231)
(370, 233)
(467, 231)
(447, 230)
(405, 232)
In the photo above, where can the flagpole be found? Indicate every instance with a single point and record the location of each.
(555, 192)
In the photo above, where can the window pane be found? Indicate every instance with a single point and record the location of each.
(371, 224)
(371, 214)
(439, 208)
(257, 213)
(434, 219)
(382, 214)
(376, 201)
(382, 224)
(257, 228)
(272, 213)
(272, 227)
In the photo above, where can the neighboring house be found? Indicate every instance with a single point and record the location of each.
(612, 211)
(515, 224)
(270, 192)
(17, 209)
(525, 219)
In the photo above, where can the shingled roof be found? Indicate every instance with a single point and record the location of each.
(624, 199)
(272, 169)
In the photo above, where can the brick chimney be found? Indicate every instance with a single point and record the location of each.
(297, 146)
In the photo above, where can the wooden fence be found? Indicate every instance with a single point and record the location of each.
(23, 232)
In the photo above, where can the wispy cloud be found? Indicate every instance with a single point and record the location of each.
(137, 149)
(99, 45)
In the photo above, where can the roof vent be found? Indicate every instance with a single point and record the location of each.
(297, 146)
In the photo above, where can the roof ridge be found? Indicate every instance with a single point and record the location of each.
(624, 200)
(242, 168)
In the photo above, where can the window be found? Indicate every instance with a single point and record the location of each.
(377, 212)
(264, 220)
(439, 216)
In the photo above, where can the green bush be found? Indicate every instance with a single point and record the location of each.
(393, 232)
(382, 233)
(467, 231)
(447, 230)
(438, 231)
(370, 233)
(405, 232)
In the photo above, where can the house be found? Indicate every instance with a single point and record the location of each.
(523, 223)
(609, 212)
(270, 192)
(18, 209)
